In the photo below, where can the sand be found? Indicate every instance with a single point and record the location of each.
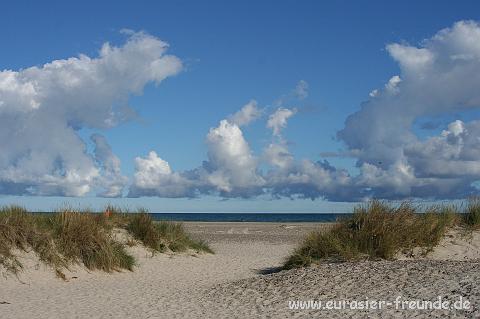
(241, 281)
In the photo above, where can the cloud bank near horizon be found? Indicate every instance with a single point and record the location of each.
(42, 110)
(440, 77)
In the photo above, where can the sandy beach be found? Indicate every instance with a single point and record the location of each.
(241, 280)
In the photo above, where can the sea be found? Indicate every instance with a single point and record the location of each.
(252, 217)
(247, 217)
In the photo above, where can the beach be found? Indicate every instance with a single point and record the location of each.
(243, 280)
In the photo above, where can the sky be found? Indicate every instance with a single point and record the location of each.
(246, 106)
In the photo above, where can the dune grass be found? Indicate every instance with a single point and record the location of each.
(376, 230)
(472, 213)
(86, 238)
(22, 231)
(163, 235)
(70, 237)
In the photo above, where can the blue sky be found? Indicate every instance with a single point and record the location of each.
(232, 53)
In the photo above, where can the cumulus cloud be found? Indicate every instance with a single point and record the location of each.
(249, 112)
(154, 177)
(454, 153)
(231, 164)
(231, 168)
(278, 120)
(308, 179)
(42, 110)
(392, 85)
(440, 77)
(373, 93)
(278, 155)
(288, 177)
(111, 178)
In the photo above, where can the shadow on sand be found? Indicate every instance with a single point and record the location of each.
(269, 270)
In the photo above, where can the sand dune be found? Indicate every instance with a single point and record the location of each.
(233, 283)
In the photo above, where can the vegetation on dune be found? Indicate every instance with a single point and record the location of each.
(163, 235)
(86, 238)
(22, 231)
(378, 230)
(472, 214)
(68, 237)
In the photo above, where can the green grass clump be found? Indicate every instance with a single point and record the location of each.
(177, 239)
(142, 228)
(375, 231)
(61, 239)
(472, 213)
(68, 237)
(160, 236)
(23, 231)
(87, 238)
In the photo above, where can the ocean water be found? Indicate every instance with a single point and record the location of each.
(249, 217)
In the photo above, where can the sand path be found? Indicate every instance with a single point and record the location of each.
(162, 286)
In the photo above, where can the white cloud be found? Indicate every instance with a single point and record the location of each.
(247, 114)
(454, 153)
(301, 90)
(43, 108)
(154, 177)
(373, 93)
(278, 120)
(307, 179)
(111, 180)
(231, 168)
(392, 84)
(233, 171)
(411, 59)
(439, 78)
(231, 164)
(278, 155)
